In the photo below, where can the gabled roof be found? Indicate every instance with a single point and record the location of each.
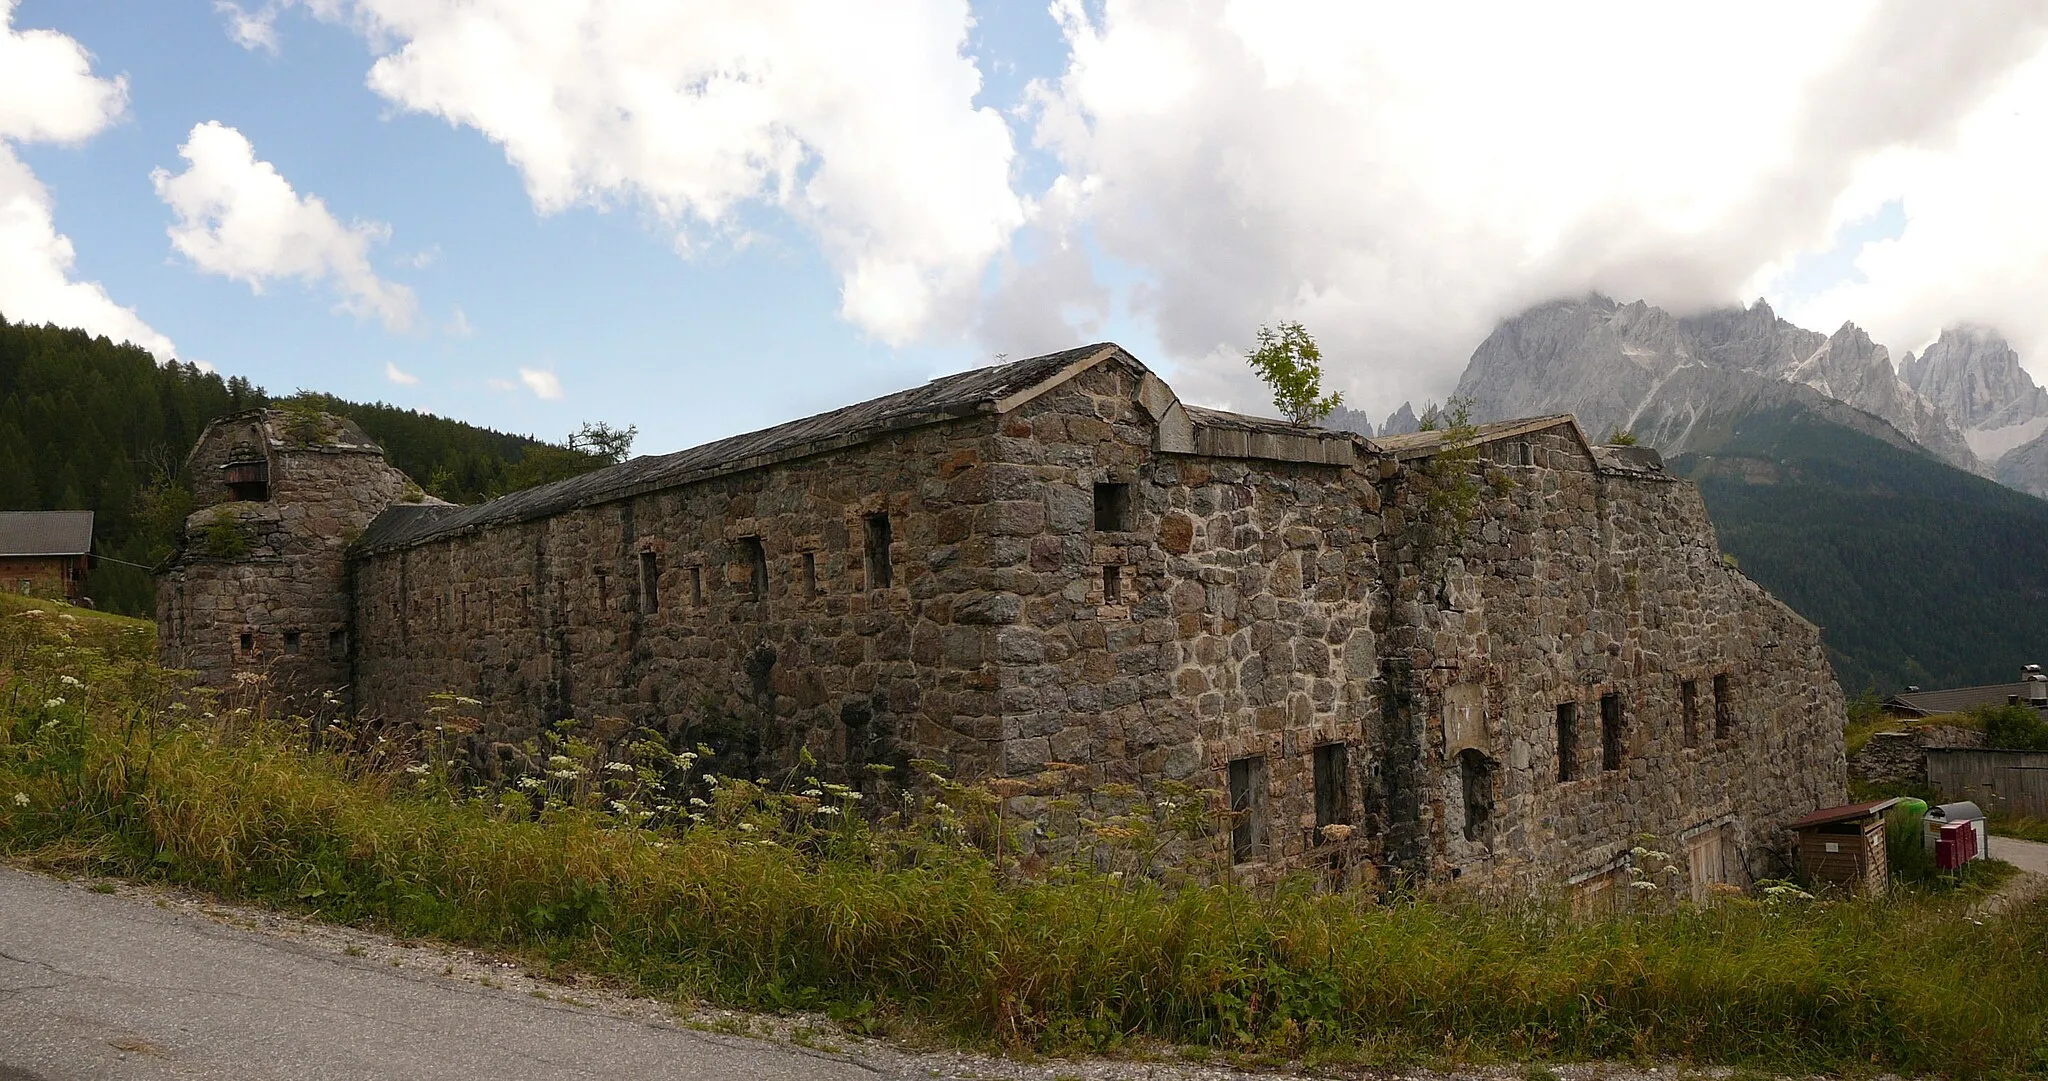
(984, 390)
(1955, 699)
(1425, 444)
(45, 532)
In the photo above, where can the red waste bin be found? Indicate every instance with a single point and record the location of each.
(1955, 845)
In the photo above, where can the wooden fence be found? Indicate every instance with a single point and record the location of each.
(2013, 784)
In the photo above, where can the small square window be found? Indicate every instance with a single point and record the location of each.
(1112, 508)
(337, 643)
(291, 641)
(248, 642)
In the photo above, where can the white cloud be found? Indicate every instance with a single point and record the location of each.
(1975, 244)
(858, 120)
(48, 93)
(238, 217)
(1401, 176)
(403, 379)
(544, 385)
(251, 29)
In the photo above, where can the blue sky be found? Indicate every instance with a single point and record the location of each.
(869, 202)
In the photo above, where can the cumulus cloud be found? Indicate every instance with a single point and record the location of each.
(251, 29)
(238, 217)
(1399, 179)
(856, 120)
(402, 378)
(544, 385)
(48, 93)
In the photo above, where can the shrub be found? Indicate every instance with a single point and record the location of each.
(223, 536)
(2014, 728)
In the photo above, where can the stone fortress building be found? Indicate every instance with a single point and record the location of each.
(1498, 653)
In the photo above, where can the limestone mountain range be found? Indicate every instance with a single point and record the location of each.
(1680, 383)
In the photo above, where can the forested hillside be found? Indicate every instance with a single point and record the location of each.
(1916, 571)
(89, 425)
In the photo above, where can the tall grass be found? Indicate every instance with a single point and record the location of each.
(756, 906)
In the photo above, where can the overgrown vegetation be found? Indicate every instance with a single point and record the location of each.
(1288, 360)
(920, 919)
(223, 536)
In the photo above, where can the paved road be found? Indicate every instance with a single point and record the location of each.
(102, 986)
(2031, 856)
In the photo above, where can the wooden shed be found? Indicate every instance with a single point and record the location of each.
(46, 553)
(1845, 845)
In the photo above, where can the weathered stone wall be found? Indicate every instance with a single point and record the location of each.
(547, 619)
(1900, 758)
(1568, 584)
(1243, 626)
(259, 586)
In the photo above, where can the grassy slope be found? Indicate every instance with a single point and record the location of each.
(1917, 572)
(912, 925)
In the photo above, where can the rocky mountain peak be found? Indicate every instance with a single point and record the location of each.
(1402, 421)
(1973, 374)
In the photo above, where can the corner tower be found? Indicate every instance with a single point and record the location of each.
(258, 582)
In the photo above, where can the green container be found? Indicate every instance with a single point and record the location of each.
(1910, 805)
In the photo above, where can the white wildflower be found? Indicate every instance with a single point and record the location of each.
(828, 810)
(746, 827)
(419, 769)
(814, 793)
(52, 703)
(528, 783)
(67, 617)
(619, 767)
(71, 681)
(21, 799)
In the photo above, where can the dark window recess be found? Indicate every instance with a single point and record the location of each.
(1112, 585)
(604, 588)
(291, 641)
(1333, 787)
(247, 481)
(1476, 772)
(248, 642)
(810, 574)
(1689, 708)
(1568, 741)
(650, 582)
(1610, 731)
(1724, 708)
(337, 643)
(880, 574)
(1247, 808)
(757, 565)
(697, 586)
(1113, 507)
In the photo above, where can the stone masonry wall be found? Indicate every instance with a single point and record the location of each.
(549, 619)
(1247, 589)
(1567, 585)
(279, 607)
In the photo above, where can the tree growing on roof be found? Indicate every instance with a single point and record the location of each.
(1288, 361)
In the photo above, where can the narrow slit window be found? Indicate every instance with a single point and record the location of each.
(1689, 708)
(1610, 731)
(880, 573)
(291, 641)
(1567, 741)
(248, 642)
(697, 586)
(1724, 708)
(1112, 507)
(1112, 585)
(757, 566)
(650, 582)
(1247, 808)
(1333, 787)
(810, 574)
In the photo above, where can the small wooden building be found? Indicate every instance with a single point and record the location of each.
(45, 553)
(1845, 845)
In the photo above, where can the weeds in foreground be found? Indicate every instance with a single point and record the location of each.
(912, 917)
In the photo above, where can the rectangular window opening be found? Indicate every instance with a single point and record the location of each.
(291, 641)
(757, 566)
(1112, 585)
(1247, 808)
(650, 582)
(880, 573)
(337, 643)
(1610, 731)
(248, 642)
(1724, 708)
(1568, 741)
(697, 586)
(1112, 508)
(1689, 708)
(810, 574)
(1333, 787)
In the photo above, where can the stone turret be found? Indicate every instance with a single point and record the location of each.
(258, 583)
